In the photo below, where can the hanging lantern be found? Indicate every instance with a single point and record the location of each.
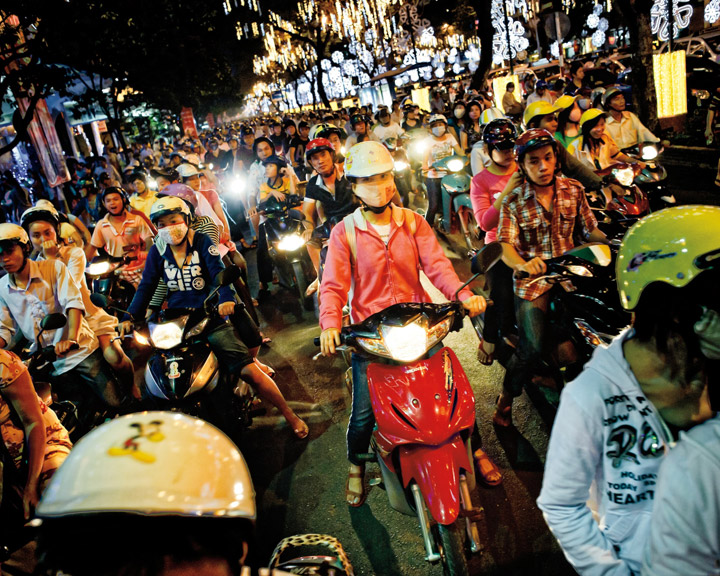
(670, 83)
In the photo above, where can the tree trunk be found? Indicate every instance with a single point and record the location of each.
(636, 14)
(486, 33)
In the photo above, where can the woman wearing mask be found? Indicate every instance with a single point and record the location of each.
(568, 120)
(440, 145)
(471, 132)
(457, 122)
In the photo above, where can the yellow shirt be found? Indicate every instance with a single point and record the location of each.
(265, 189)
(143, 204)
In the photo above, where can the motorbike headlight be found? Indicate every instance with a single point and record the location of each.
(211, 166)
(455, 165)
(649, 152)
(624, 176)
(406, 343)
(374, 346)
(152, 184)
(401, 165)
(168, 334)
(198, 328)
(237, 186)
(98, 268)
(579, 270)
(342, 150)
(140, 339)
(290, 243)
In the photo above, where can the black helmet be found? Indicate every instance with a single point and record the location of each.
(115, 190)
(88, 183)
(357, 118)
(532, 140)
(279, 162)
(500, 133)
(246, 131)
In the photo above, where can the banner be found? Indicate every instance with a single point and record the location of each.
(188, 122)
(210, 119)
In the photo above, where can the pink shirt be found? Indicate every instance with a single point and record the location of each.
(484, 190)
(383, 274)
(129, 236)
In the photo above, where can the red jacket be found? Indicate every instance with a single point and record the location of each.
(383, 275)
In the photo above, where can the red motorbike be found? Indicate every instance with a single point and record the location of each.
(425, 413)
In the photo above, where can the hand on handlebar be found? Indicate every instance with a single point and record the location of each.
(64, 346)
(534, 267)
(329, 340)
(475, 305)
(226, 308)
(307, 234)
(279, 196)
(125, 328)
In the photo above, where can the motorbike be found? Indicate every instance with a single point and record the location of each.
(456, 199)
(103, 276)
(653, 178)
(424, 407)
(183, 372)
(334, 564)
(284, 230)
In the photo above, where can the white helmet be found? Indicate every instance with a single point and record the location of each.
(490, 114)
(13, 232)
(46, 205)
(437, 118)
(368, 158)
(152, 463)
(169, 205)
(187, 170)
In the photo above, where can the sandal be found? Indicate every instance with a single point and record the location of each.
(352, 494)
(502, 417)
(487, 468)
(485, 358)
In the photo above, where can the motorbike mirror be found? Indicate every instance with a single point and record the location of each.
(53, 321)
(486, 258)
(100, 300)
(595, 253)
(227, 276)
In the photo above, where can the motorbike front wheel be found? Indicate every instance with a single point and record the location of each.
(449, 540)
(301, 285)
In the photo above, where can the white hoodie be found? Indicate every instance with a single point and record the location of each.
(607, 444)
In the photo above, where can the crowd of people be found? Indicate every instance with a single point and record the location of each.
(175, 211)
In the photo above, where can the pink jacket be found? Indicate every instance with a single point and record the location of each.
(384, 275)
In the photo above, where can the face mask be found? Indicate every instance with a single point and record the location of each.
(459, 112)
(375, 196)
(575, 115)
(173, 234)
(438, 131)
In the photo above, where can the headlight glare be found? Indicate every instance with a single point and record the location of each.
(406, 343)
(290, 243)
(168, 334)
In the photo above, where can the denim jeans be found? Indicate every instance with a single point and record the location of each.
(434, 197)
(500, 317)
(532, 331)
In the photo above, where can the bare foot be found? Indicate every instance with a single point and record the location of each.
(300, 428)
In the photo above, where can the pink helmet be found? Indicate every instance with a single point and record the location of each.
(181, 191)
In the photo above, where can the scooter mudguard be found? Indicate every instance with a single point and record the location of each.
(427, 402)
(436, 469)
(461, 201)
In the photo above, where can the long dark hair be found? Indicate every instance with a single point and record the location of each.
(592, 144)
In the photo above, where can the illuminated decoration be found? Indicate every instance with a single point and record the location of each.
(510, 40)
(682, 12)
(670, 83)
(600, 25)
(555, 49)
(712, 12)
(498, 86)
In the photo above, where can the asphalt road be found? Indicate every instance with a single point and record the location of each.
(300, 484)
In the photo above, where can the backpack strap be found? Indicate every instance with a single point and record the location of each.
(350, 236)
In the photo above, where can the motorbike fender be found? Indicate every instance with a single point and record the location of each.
(153, 387)
(436, 470)
(456, 183)
(462, 201)
(205, 374)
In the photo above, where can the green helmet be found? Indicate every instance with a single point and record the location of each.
(673, 246)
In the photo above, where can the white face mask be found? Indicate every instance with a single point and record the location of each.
(376, 194)
(173, 234)
(438, 131)
(459, 112)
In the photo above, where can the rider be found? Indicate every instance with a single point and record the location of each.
(42, 226)
(384, 270)
(144, 197)
(618, 420)
(624, 127)
(537, 221)
(28, 292)
(361, 131)
(596, 148)
(189, 263)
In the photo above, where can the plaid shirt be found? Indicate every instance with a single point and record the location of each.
(533, 231)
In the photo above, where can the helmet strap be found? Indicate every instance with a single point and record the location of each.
(375, 209)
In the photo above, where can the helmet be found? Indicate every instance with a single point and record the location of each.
(357, 118)
(532, 140)
(318, 145)
(152, 463)
(182, 191)
(541, 85)
(408, 104)
(437, 118)
(46, 205)
(246, 131)
(170, 174)
(488, 115)
(539, 108)
(35, 214)
(610, 93)
(11, 234)
(591, 114)
(565, 101)
(166, 206)
(673, 246)
(368, 159)
(137, 175)
(279, 162)
(187, 170)
(500, 133)
(70, 235)
(87, 183)
(114, 190)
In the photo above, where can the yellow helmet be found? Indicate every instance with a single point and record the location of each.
(152, 463)
(565, 101)
(591, 114)
(674, 246)
(539, 108)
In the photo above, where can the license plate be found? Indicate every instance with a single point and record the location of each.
(173, 367)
